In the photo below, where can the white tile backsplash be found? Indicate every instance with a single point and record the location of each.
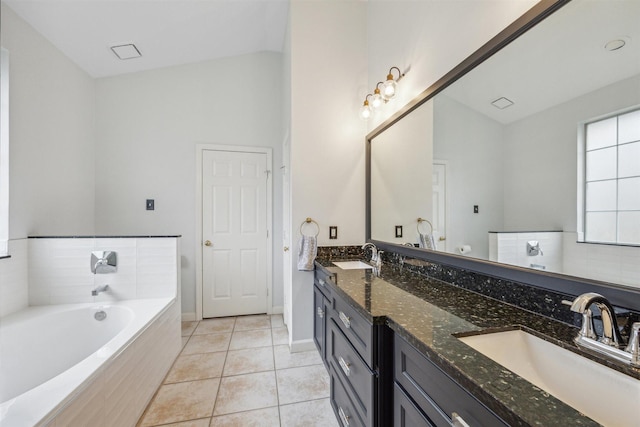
(60, 269)
(511, 248)
(14, 288)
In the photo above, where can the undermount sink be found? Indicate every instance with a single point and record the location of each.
(352, 265)
(603, 394)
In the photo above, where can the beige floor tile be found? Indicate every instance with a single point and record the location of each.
(188, 328)
(246, 392)
(300, 384)
(190, 367)
(182, 402)
(207, 343)
(285, 359)
(202, 422)
(248, 323)
(184, 341)
(250, 339)
(248, 361)
(277, 321)
(268, 417)
(280, 336)
(216, 326)
(314, 413)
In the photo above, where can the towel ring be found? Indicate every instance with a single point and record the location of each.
(420, 221)
(309, 221)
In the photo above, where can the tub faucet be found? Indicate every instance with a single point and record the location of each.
(99, 289)
(611, 342)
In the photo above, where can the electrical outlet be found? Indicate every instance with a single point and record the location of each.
(475, 208)
(150, 204)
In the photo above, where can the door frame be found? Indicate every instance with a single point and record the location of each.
(200, 149)
(447, 198)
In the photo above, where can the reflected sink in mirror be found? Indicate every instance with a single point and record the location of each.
(352, 265)
(603, 394)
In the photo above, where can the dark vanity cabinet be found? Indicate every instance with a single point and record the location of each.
(321, 307)
(357, 354)
(424, 395)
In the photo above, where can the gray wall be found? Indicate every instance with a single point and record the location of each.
(148, 125)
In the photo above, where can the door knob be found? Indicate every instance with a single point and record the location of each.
(286, 248)
(208, 243)
(442, 238)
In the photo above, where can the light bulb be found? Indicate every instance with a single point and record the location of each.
(365, 110)
(376, 99)
(389, 88)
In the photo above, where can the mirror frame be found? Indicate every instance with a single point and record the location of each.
(619, 295)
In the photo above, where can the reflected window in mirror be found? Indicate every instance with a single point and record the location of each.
(612, 180)
(4, 151)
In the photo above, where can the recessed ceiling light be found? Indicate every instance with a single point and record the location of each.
(502, 103)
(126, 51)
(615, 44)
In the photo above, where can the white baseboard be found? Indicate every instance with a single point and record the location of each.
(277, 309)
(188, 317)
(302, 345)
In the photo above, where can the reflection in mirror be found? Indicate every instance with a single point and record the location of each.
(401, 169)
(515, 171)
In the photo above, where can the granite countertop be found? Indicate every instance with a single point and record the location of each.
(427, 312)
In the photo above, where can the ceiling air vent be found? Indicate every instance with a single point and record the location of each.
(502, 103)
(126, 51)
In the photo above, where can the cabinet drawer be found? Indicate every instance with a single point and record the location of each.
(321, 278)
(405, 413)
(437, 395)
(356, 376)
(357, 329)
(343, 407)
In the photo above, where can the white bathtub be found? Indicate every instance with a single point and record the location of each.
(59, 364)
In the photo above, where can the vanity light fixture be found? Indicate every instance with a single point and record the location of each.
(380, 94)
(365, 110)
(389, 86)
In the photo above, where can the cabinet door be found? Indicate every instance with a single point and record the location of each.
(436, 394)
(344, 409)
(405, 412)
(320, 307)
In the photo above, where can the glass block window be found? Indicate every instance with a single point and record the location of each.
(612, 180)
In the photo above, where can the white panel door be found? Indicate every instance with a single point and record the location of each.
(234, 233)
(440, 205)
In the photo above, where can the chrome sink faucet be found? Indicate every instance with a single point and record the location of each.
(375, 254)
(99, 289)
(611, 342)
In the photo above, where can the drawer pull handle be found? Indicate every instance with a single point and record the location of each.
(346, 320)
(458, 421)
(322, 282)
(345, 366)
(343, 416)
(320, 312)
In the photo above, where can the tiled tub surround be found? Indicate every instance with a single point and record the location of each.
(427, 312)
(59, 269)
(113, 384)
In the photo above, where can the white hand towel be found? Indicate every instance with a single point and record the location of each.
(427, 241)
(307, 253)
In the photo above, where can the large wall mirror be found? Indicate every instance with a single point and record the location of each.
(494, 163)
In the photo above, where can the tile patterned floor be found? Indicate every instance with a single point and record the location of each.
(238, 371)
